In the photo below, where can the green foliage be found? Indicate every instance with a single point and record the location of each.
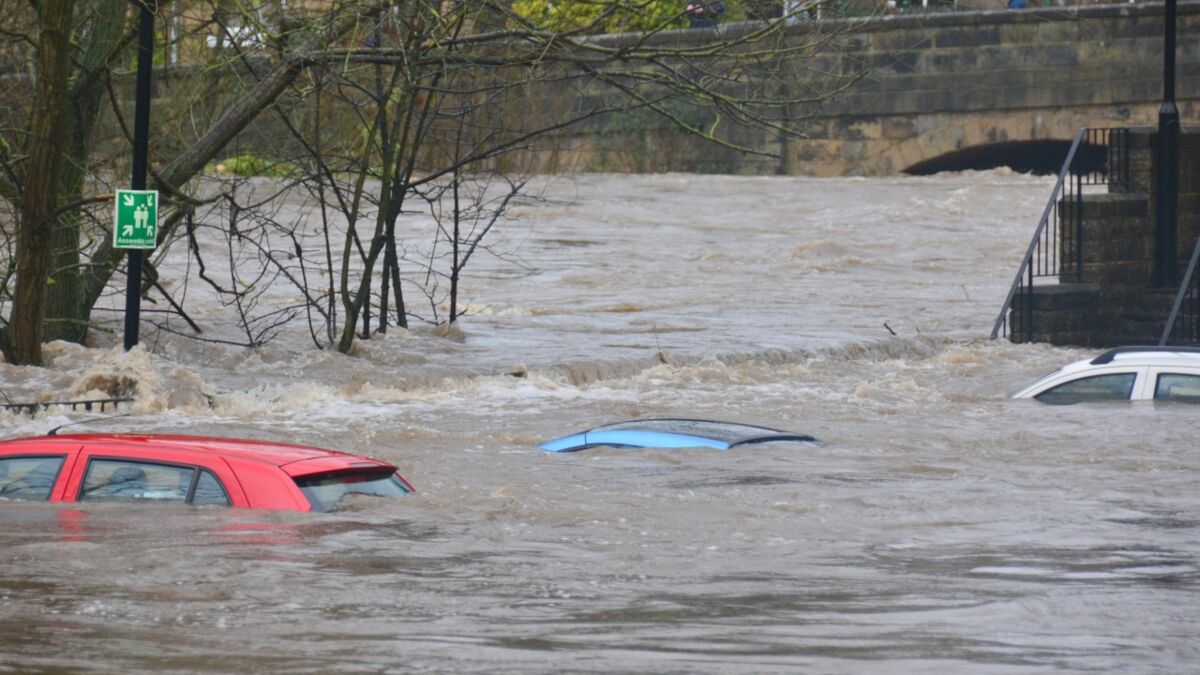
(617, 16)
(253, 165)
(600, 16)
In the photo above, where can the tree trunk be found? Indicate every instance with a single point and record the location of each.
(361, 297)
(66, 311)
(41, 183)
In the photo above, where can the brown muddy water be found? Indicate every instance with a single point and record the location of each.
(940, 527)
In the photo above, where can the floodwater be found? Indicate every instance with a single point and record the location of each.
(940, 527)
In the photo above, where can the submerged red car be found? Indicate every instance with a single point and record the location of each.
(199, 470)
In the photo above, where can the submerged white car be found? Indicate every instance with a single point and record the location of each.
(1125, 373)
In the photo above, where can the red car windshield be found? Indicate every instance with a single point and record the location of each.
(325, 490)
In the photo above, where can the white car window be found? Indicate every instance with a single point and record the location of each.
(1177, 387)
(1113, 387)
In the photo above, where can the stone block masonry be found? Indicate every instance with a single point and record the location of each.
(930, 85)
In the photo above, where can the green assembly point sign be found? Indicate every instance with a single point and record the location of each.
(135, 221)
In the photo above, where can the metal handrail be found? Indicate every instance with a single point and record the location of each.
(1115, 171)
(32, 408)
(1027, 261)
(1186, 289)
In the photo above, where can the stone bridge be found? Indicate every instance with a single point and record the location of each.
(949, 92)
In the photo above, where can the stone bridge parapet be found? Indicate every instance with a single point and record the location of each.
(936, 87)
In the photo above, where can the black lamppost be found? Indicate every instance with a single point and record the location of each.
(1167, 200)
(141, 137)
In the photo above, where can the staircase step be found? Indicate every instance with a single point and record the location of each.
(1061, 296)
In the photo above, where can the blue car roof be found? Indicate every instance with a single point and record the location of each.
(673, 433)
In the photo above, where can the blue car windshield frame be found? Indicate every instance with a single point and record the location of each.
(672, 433)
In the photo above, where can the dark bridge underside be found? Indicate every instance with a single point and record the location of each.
(1036, 157)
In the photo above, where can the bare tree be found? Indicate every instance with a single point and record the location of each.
(464, 211)
(371, 105)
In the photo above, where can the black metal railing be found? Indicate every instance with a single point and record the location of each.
(1183, 324)
(1098, 157)
(32, 409)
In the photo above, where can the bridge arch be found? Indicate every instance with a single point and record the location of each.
(1039, 157)
(980, 89)
(1028, 141)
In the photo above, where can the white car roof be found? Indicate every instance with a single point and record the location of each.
(1149, 356)
(1138, 356)
(1130, 357)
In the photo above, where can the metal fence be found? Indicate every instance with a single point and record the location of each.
(32, 409)
(1097, 158)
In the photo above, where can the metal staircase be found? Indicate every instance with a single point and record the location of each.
(1097, 158)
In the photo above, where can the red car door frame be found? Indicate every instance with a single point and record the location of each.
(107, 450)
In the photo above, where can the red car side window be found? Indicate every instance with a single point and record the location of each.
(209, 491)
(122, 480)
(29, 478)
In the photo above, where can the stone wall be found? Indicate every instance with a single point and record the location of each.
(930, 85)
(934, 84)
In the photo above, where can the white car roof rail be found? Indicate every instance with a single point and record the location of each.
(1111, 354)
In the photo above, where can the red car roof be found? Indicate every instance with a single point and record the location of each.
(267, 452)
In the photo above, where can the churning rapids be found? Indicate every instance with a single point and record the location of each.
(941, 527)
